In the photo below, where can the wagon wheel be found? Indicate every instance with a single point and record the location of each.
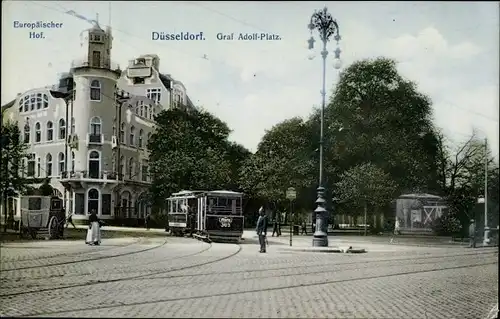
(53, 227)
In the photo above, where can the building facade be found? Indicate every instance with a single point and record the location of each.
(90, 140)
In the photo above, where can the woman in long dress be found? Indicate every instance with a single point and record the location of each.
(94, 231)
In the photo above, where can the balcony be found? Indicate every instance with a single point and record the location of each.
(80, 179)
(82, 63)
(95, 139)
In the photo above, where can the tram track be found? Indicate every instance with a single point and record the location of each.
(135, 277)
(259, 290)
(86, 260)
(137, 241)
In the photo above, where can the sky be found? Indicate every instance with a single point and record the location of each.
(450, 49)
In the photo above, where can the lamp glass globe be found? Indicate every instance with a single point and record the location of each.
(337, 64)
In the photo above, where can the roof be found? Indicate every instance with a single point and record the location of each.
(224, 192)
(166, 80)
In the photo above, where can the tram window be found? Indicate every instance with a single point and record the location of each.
(35, 203)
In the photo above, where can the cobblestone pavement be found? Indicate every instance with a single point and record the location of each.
(186, 278)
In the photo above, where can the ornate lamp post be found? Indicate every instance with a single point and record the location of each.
(327, 27)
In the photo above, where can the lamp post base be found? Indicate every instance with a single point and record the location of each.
(486, 239)
(320, 236)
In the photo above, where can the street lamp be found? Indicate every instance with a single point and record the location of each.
(327, 27)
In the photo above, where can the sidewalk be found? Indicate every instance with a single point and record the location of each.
(127, 229)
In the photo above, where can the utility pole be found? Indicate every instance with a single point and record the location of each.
(486, 239)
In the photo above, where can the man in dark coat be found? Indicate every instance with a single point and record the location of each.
(472, 234)
(262, 229)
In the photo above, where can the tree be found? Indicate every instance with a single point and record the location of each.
(385, 121)
(285, 158)
(190, 150)
(462, 173)
(365, 185)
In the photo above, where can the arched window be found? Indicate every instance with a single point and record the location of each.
(147, 139)
(93, 200)
(94, 164)
(48, 165)
(26, 133)
(121, 169)
(122, 133)
(72, 161)
(62, 167)
(130, 168)
(20, 103)
(73, 126)
(141, 112)
(141, 133)
(132, 136)
(142, 205)
(50, 131)
(95, 90)
(126, 203)
(62, 129)
(26, 103)
(45, 101)
(38, 132)
(146, 110)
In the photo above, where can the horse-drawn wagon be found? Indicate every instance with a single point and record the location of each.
(42, 216)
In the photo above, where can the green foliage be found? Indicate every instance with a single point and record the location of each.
(13, 154)
(365, 184)
(190, 150)
(285, 158)
(385, 121)
(447, 224)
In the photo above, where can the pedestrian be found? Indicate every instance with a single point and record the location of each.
(69, 220)
(396, 230)
(276, 227)
(262, 229)
(147, 220)
(94, 231)
(303, 228)
(472, 234)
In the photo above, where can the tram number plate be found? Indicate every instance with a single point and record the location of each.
(225, 222)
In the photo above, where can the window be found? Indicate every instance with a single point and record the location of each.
(73, 126)
(72, 161)
(144, 171)
(20, 103)
(38, 167)
(146, 109)
(45, 101)
(93, 200)
(26, 133)
(62, 167)
(131, 168)
(122, 133)
(148, 138)
(62, 129)
(26, 103)
(141, 132)
(141, 112)
(31, 165)
(50, 131)
(94, 164)
(121, 169)
(154, 94)
(132, 136)
(38, 132)
(114, 127)
(96, 59)
(48, 165)
(138, 80)
(39, 101)
(32, 102)
(79, 204)
(106, 204)
(126, 203)
(95, 90)
(95, 130)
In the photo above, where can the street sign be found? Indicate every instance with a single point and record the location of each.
(291, 194)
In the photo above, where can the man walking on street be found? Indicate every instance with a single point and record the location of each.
(472, 234)
(262, 229)
(304, 228)
(276, 226)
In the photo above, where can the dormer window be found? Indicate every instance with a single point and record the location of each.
(140, 61)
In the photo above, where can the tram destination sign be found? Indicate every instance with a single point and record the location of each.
(291, 194)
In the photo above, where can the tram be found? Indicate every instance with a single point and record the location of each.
(207, 215)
